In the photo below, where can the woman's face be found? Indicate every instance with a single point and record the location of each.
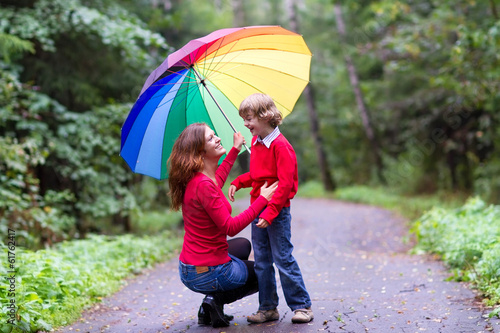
(213, 147)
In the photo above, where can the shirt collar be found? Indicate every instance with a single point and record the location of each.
(268, 139)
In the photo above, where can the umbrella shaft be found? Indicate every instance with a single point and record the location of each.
(220, 108)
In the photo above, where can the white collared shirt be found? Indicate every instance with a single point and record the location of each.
(269, 139)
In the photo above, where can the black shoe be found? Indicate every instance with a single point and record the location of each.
(211, 306)
(204, 317)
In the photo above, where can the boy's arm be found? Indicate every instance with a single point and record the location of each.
(242, 181)
(286, 166)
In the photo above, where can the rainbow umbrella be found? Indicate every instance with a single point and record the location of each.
(206, 81)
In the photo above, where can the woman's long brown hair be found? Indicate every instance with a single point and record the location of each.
(185, 161)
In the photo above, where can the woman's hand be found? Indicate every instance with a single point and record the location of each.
(268, 191)
(238, 140)
(232, 191)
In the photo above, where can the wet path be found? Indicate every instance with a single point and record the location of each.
(357, 271)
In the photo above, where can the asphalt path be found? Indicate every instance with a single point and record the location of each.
(357, 269)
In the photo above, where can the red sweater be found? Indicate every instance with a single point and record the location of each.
(207, 217)
(278, 162)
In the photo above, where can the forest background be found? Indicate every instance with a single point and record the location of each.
(403, 98)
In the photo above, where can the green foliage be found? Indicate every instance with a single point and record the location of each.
(53, 286)
(89, 143)
(468, 240)
(46, 20)
(427, 73)
(87, 55)
(438, 93)
(39, 218)
(61, 170)
(12, 45)
(312, 189)
(153, 222)
(61, 174)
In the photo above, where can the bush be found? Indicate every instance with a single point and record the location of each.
(53, 286)
(468, 240)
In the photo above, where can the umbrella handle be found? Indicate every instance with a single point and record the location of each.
(246, 147)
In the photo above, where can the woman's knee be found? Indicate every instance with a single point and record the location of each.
(239, 247)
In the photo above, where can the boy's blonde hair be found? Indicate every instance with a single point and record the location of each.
(262, 106)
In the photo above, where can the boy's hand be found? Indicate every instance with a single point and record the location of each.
(238, 140)
(262, 223)
(232, 191)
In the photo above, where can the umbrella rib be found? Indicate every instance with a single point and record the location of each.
(253, 86)
(209, 68)
(218, 105)
(184, 98)
(221, 61)
(220, 72)
(236, 78)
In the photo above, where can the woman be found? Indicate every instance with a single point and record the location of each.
(209, 263)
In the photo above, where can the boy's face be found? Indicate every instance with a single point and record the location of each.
(257, 126)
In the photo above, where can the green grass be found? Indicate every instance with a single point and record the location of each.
(409, 206)
(53, 286)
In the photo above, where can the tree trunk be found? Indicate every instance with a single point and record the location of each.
(494, 9)
(326, 176)
(239, 17)
(363, 109)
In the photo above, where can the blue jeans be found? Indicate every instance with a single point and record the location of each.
(228, 276)
(273, 244)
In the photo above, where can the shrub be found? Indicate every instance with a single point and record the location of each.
(468, 240)
(54, 285)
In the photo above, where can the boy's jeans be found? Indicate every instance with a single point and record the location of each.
(273, 244)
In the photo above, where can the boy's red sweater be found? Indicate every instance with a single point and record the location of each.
(278, 162)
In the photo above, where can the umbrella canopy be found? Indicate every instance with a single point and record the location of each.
(206, 81)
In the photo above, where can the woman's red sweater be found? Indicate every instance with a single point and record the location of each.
(207, 217)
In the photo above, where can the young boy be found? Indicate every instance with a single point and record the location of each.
(272, 158)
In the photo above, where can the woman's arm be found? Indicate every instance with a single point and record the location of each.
(216, 206)
(223, 170)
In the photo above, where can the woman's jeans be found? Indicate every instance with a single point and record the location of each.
(273, 244)
(230, 281)
(228, 276)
